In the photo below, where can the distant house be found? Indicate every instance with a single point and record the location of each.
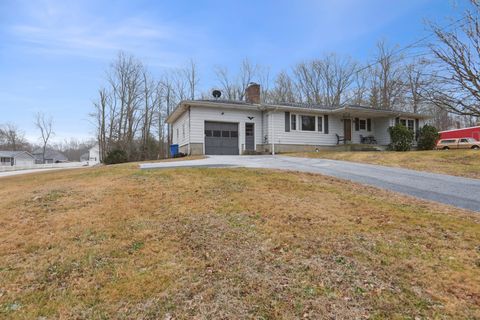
(51, 156)
(16, 158)
(238, 127)
(92, 156)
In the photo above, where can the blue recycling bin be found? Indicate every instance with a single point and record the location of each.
(173, 150)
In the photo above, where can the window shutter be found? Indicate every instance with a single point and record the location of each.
(417, 129)
(357, 124)
(397, 120)
(287, 121)
(325, 130)
(320, 124)
(369, 124)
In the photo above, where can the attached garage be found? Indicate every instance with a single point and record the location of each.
(221, 138)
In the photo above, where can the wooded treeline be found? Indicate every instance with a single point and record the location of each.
(439, 76)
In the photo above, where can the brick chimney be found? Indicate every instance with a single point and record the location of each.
(252, 93)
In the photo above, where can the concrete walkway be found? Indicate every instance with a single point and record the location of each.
(456, 191)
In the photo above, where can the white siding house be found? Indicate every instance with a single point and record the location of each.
(228, 127)
(16, 158)
(94, 155)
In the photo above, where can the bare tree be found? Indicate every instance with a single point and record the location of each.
(283, 90)
(12, 138)
(417, 81)
(228, 86)
(386, 78)
(308, 81)
(191, 75)
(233, 87)
(168, 104)
(337, 76)
(248, 72)
(457, 53)
(104, 121)
(73, 148)
(45, 126)
(359, 90)
(263, 78)
(324, 81)
(152, 95)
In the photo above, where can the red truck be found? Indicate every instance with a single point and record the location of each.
(471, 132)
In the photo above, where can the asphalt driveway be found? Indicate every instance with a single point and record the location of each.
(456, 191)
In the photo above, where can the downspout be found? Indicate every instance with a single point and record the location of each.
(273, 132)
(189, 132)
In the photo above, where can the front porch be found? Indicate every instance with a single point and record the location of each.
(364, 130)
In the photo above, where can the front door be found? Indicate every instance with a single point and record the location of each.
(249, 136)
(347, 129)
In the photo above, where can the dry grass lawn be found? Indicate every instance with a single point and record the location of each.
(465, 163)
(119, 243)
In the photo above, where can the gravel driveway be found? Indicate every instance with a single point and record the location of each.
(456, 191)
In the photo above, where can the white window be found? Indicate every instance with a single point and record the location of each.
(183, 131)
(178, 135)
(409, 123)
(293, 122)
(363, 124)
(308, 123)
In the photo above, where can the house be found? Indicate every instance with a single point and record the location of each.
(94, 154)
(16, 158)
(238, 127)
(51, 156)
(470, 132)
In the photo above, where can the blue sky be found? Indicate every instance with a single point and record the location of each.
(53, 54)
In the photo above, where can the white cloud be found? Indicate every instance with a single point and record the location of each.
(55, 28)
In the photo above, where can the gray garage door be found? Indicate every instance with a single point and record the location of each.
(221, 138)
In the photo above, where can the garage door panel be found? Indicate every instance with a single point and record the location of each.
(219, 138)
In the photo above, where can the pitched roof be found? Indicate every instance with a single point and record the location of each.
(182, 106)
(302, 105)
(11, 154)
(49, 154)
